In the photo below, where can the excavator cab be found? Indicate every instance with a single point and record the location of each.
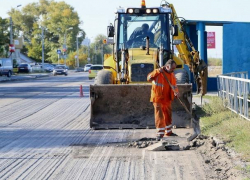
(141, 45)
(136, 27)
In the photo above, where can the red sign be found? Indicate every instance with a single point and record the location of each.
(211, 40)
(11, 48)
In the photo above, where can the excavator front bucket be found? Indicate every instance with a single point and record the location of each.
(128, 106)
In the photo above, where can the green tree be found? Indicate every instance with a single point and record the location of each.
(98, 49)
(4, 37)
(94, 52)
(61, 25)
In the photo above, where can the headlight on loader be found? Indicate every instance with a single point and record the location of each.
(148, 11)
(130, 11)
(155, 11)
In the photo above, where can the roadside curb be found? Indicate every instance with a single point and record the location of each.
(197, 99)
(22, 78)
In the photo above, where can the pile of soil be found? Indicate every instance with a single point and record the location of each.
(220, 161)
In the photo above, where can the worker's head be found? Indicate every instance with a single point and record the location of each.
(145, 27)
(170, 66)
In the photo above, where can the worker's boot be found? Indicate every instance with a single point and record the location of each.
(171, 134)
(159, 137)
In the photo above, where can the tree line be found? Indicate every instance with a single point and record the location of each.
(60, 24)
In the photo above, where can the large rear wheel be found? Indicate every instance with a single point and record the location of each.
(104, 77)
(182, 76)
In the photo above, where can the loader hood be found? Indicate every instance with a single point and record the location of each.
(140, 64)
(140, 54)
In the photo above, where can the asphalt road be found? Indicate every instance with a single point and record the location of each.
(45, 134)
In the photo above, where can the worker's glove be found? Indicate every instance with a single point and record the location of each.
(161, 69)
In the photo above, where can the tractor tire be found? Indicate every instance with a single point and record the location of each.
(182, 76)
(104, 77)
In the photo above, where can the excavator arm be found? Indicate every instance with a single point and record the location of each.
(190, 55)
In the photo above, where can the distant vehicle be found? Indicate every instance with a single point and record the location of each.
(60, 65)
(67, 67)
(94, 70)
(54, 65)
(24, 67)
(87, 67)
(6, 67)
(48, 67)
(60, 70)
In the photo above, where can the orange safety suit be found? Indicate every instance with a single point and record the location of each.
(162, 95)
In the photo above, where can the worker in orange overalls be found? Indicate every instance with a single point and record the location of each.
(162, 95)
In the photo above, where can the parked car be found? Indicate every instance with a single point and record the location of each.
(48, 67)
(6, 67)
(24, 67)
(36, 67)
(87, 67)
(60, 70)
(94, 70)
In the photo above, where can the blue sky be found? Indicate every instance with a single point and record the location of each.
(97, 14)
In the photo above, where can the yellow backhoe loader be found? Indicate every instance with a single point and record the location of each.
(120, 95)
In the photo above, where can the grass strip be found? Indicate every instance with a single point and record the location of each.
(216, 120)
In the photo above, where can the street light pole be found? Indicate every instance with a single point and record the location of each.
(42, 48)
(95, 55)
(11, 28)
(64, 47)
(88, 51)
(77, 51)
(42, 28)
(64, 44)
(102, 56)
(11, 39)
(11, 34)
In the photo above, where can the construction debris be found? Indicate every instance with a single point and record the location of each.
(142, 143)
(164, 145)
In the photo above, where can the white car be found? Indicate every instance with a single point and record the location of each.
(87, 67)
(60, 70)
